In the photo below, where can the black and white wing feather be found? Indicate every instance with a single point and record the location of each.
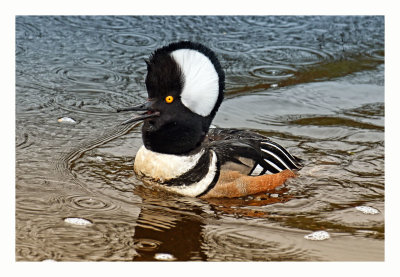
(275, 158)
(250, 153)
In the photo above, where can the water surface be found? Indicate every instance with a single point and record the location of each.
(313, 84)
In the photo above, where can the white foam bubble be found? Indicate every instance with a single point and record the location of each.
(77, 221)
(318, 235)
(164, 257)
(66, 120)
(367, 210)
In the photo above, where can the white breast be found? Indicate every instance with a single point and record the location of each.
(163, 167)
(198, 188)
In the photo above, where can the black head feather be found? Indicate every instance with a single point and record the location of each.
(178, 129)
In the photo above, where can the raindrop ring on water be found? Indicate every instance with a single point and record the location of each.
(293, 55)
(134, 40)
(88, 75)
(274, 72)
(89, 203)
(231, 47)
(147, 244)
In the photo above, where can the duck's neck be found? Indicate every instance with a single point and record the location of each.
(174, 139)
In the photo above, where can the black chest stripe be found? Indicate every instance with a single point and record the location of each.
(215, 180)
(194, 175)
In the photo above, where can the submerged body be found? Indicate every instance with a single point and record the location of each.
(180, 153)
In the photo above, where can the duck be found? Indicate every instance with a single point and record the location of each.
(181, 152)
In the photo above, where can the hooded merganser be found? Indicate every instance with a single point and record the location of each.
(181, 154)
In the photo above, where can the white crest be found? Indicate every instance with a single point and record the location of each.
(201, 87)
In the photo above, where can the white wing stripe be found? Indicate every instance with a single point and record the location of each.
(275, 156)
(257, 170)
(272, 164)
(291, 159)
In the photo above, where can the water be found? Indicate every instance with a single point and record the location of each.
(313, 84)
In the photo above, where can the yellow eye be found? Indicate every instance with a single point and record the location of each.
(169, 99)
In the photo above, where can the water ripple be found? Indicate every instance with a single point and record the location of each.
(231, 47)
(88, 101)
(95, 61)
(277, 22)
(334, 121)
(28, 253)
(228, 242)
(89, 203)
(134, 40)
(378, 55)
(98, 22)
(144, 244)
(82, 203)
(26, 30)
(22, 141)
(89, 75)
(292, 55)
(272, 72)
(99, 241)
(19, 51)
(32, 98)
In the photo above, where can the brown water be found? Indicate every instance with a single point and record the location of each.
(313, 84)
